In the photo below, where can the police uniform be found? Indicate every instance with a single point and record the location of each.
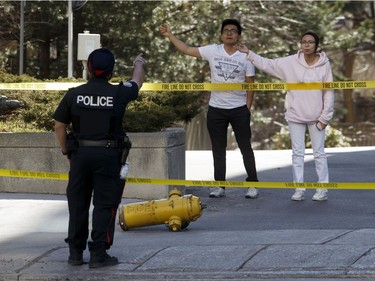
(96, 111)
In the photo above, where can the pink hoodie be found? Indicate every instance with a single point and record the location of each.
(302, 106)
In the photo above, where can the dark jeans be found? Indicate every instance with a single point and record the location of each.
(94, 173)
(217, 124)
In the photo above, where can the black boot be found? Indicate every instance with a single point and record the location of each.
(75, 255)
(101, 258)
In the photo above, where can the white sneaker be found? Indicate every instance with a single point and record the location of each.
(298, 195)
(252, 193)
(218, 192)
(320, 195)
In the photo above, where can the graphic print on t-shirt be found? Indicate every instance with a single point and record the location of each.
(226, 70)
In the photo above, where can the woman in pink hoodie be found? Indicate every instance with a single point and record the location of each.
(311, 109)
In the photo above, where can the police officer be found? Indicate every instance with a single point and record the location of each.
(95, 111)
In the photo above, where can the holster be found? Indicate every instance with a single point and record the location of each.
(126, 145)
(71, 144)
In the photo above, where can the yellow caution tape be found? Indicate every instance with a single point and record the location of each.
(32, 174)
(48, 86)
(230, 184)
(53, 86)
(256, 86)
(239, 184)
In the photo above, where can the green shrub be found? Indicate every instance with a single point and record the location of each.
(151, 112)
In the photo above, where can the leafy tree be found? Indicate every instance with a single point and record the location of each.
(44, 22)
(271, 28)
(351, 32)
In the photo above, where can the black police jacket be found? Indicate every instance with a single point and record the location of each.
(96, 109)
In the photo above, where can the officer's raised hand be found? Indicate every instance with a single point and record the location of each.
(139, 71)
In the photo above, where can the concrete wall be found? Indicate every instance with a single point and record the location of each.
(153, 155)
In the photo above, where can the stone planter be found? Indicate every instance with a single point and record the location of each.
(153, 155)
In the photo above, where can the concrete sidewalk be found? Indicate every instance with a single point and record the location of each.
(224, 244)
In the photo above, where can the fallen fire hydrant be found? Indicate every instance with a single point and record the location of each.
(176, 212)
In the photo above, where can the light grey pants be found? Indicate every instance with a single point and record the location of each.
(297, 136)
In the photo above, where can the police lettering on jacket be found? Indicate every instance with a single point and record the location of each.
(95, 102)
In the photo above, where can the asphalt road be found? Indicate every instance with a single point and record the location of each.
(269, 238)
(273, 209)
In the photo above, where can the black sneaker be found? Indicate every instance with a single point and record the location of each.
(75, 256)
(102, 260)
(75, 261)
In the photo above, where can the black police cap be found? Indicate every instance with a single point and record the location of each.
(101, 62)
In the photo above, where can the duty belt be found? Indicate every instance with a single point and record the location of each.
(99, 143)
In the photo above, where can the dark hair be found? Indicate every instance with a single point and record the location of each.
(101, 62)
(313, 34)
(233, 22)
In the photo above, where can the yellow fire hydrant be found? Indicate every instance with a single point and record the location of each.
(176, 212)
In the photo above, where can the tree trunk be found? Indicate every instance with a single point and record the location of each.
(44, 59)
(348, 93)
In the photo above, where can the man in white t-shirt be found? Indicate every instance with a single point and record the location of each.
(227, 65)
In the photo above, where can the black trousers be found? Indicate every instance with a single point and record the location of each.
(94, 174)
(218, 121)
